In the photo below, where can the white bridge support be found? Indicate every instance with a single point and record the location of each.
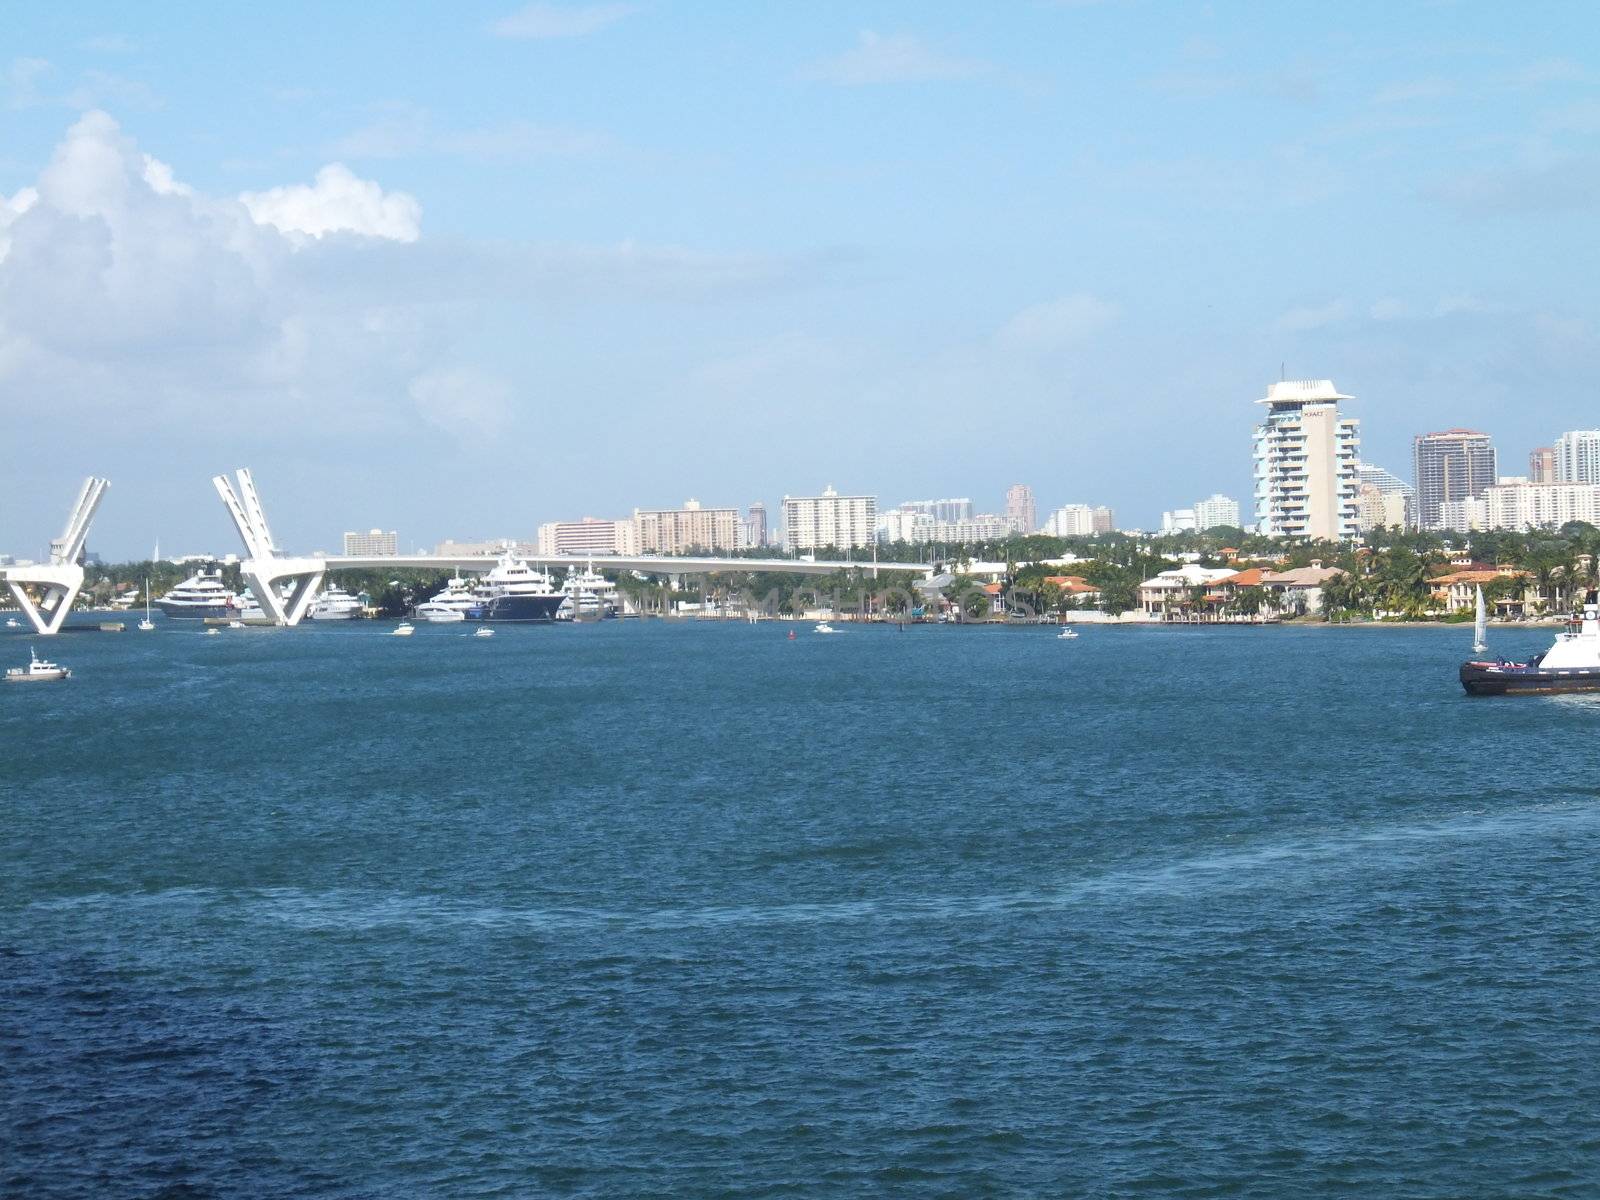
(265, 569)
(58, 581)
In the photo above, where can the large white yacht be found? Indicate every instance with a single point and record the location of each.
(201, 595)
(451, 604)
(335, 604)
(590, 596)
(514, 591)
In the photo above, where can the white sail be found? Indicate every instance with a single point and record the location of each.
(1480, 628)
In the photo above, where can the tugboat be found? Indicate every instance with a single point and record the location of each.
(38, 670)
(1572, 664)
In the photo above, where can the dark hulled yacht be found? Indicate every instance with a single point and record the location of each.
(513, 591)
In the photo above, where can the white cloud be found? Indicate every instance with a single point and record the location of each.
(1301, 320)
(1058, 324)
(21, 80)
(541, 21)
(337, 202)
(10, 210)
(462, 401)
(892, 58)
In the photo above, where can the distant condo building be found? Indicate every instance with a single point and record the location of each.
(813, 522)
(1450, 466)
(916, 522)
(1216, 509)
(1542, 465)
(1519, 504)
(454, 549)
(1079, 520)
(588, 536)
(1020, 510)
(1305, 462)
(1383, 499)
(373, 543)
(755, 525)
(1577, 456)
(679, 530)
(1178, 520)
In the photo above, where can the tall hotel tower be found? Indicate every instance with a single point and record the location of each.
(1306, 484)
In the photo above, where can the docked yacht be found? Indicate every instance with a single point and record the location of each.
(514, 591)
(201, 595)
(335, 604)
(590, 596)
(451, 604)
(1572, 664)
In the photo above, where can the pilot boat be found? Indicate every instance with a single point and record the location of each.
(1572, 664)
(38, 670)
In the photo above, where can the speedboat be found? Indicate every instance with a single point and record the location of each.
(203, 594)
(484, 632)
(213, 632)
(235, 624)
(1067, 634)
(404, 629)
(1572, 664)
(38, 670)
(824, 627)
(12, 622)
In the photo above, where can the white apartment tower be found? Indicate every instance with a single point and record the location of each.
(1578, 456)
(812, 522)
(1216, 509)
(1305, 469)
(372, 544)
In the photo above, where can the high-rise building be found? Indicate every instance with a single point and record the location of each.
(755, 525)
(957, 509)
(1384, 499)
(812, 522)
(1453, 465)
(1542, 465)
(679, 530)
(1178, 520)
(371, 544)
(1215, 510)
(1079, 520)
(1524, 505)
(1305, 462)
(1577, 457)
(588, 536)
(1020, 510)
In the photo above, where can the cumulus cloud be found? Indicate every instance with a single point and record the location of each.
(1058, 324)
(892, 58)
(337, 202)
(464, 402)
(541, 21)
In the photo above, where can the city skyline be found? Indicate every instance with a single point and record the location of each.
(1004, 248)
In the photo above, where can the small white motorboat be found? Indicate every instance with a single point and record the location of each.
(404, 629)
(12, 622)
(1067, 634)
(213, 632)
(824, 627)
(485, 631)
(38, 670)
(235, 624)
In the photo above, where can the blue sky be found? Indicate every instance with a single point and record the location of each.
(459, 270)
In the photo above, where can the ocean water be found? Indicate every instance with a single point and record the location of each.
(649, 909)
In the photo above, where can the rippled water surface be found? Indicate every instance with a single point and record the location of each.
(688, 910)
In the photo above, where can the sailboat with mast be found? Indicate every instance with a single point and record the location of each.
(147, 624)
